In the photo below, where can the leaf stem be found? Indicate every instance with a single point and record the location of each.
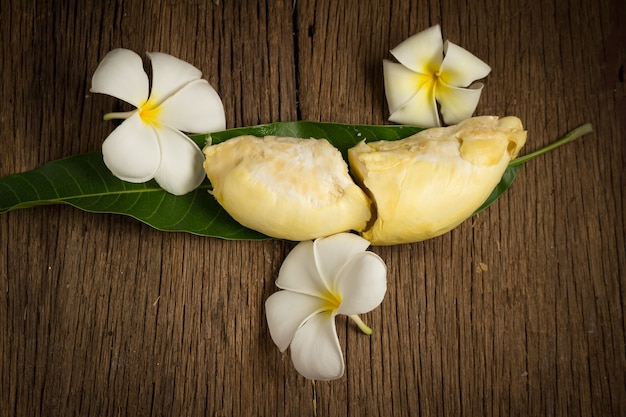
(570, 137)
(364, 328)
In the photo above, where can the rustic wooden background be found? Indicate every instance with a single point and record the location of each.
(101, 315)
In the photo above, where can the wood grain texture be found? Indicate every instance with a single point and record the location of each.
(519, 311)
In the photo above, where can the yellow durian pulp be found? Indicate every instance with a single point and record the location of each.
(427, 184)
(287, 188)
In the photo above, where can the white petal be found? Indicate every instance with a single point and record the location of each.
(362, 284)
(401, 84)
(333, 252)
(169, 74)
(196, 108)
(286, 311)
(181, 169)
(121, 75)
(422, 52)
(460, 67)
(132, 151)
(299, 272)
(458, 104)
(420, 110)
(315, 349)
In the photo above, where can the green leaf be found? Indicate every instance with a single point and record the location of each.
(83, 181)
(501, 188)
(342, 136)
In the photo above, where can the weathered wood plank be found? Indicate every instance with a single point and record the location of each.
(519, 311)
(521, 337)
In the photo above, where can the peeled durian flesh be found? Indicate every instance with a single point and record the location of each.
(427, 184)
(288, 188)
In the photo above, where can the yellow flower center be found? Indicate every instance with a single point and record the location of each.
(149, 113)
(333, 300)
(429, 79)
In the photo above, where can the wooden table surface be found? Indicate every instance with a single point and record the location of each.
(100, 315)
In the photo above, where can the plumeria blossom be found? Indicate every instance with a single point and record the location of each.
(320, 279)
(431, 71)
(149, 143)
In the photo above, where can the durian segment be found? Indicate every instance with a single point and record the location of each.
(287, 188)
(427, 184)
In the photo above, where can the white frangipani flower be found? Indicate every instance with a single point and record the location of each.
(431, 71)
(320, 279)
(149, 143)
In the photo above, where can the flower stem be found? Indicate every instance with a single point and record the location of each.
(118, 115)
(570, 137)
(364, 328)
